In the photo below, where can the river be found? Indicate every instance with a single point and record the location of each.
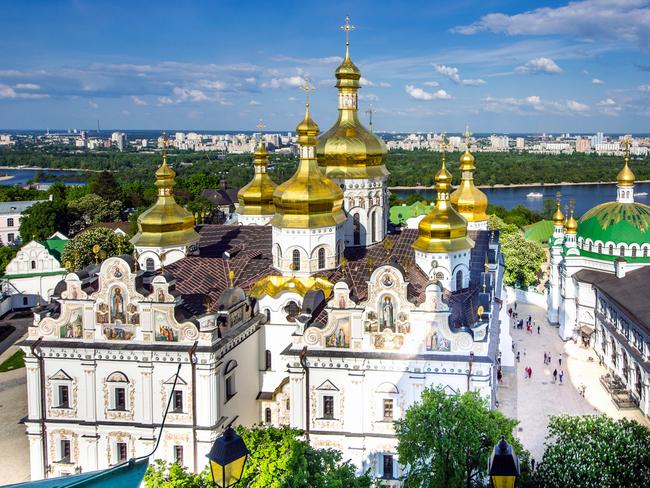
(585, 196)
(21, 177)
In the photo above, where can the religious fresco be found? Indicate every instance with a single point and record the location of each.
(387, 317)
(164, 331)
(435, 341)
(119, 319)
(341, 335)
(388, 340)
(73, 328)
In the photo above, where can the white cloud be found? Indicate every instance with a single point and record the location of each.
(473, 82)
(610, 107)
(165, 101)
(597, 81)
(212, 85)
(448, 71)
(608, 102)
(539, 65)
(644, 88)
(365, 82)
(576, 106)
(533, 100)
(431, 83)
(138, 101)
(28, 86)
(592, 20)
(8, 92)
(287, 82)
(420, 94)
(254, 102)
(311, 61)
(368, 97)
(384, 84)
(292, 99)
(92, 104)
(190, 94)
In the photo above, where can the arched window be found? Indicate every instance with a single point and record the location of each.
(149, 264)
(267, 415)
(373, 226)
(268, 315)
(459, 280)
(321, 258)
(611, 249)
(356, 225)
(645, 252)
(292, 310)
(590, 246)
(600, 248)
(296, 260)
(622, 250)
(267, 360)
(33, 264)
(634, 252)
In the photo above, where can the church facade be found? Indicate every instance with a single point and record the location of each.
(596, 293)
(308, 313)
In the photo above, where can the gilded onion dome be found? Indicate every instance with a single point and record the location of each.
(558, 216)
(308, 199)
(348, 149)
(467, 199)
(256, 198)
(443, 229)
(571, 226)
(626, 176)
(166, 223)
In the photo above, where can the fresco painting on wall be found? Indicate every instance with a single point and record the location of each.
(73, 328)
(164, 331)
(341, 335)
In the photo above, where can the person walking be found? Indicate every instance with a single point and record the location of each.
(530, 372)
(561, 376)
(538, 329)
(518, 356)
(549, 357)
(515, 306)
(559, 359)
(555, 375)
(544, 357)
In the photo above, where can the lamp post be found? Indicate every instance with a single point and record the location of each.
(503, 465)
(227, 458)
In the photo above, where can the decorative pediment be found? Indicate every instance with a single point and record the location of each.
(61, 375)
(179, 381)
(327, 385)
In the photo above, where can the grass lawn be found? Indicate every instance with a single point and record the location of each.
(14, 362)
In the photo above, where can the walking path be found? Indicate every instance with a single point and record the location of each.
(14, 446)
(532, 401)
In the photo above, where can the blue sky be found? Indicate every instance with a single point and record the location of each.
(499, 66)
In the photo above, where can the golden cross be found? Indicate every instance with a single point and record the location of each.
(347, 27)
(627, 142)
(260, 125)
(467, 135)
(164, 148)
(443, 146)
(307, 87)
(558, 196)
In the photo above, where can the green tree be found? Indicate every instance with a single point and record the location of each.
(523, 259)
(92, 209)
(41, 220)
(79, 250)
(7, 253)
(415, 197)
(594, 450)
(105, 185)
(445, 440)
(279, 458)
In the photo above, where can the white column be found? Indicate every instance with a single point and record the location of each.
(297, 400)
(146, 372)
(35, 454)
(88, 391)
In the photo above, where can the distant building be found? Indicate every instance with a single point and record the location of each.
(10, 216)
(583, 144)
(119, 139)
(499, 143)
(30, 277)
(521, 143)
(224, 199)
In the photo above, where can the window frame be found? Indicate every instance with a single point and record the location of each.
(327, 401)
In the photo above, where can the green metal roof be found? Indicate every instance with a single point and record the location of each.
(55, 247)
(399, 214)
(616, 222)
(31, 275)
(541, 231)
(610, 257)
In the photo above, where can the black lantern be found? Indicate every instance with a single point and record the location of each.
(227, 459)
(503, 465)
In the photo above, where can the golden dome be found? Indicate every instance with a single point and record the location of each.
(256, 198)
(558, 216)
(467, 199)
(571, 226)
(625, 176)
(443, 229)
(348, 149)
(308, 199)
(166, 223)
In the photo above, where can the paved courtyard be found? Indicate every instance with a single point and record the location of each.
(533, 400)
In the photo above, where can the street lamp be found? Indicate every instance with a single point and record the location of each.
(503, 465)
(227, 459)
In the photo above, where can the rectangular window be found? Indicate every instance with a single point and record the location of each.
(388, 409)
(328, 407)
(120, 399)
(65, 451)
(10, 237)
(25, 301)
(64, 397)
(178, 455)
(178, 401)
(388, 466)
(230, 387)
(121, 452)
(10, 222)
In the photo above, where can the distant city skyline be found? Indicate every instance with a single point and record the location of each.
(506, 67)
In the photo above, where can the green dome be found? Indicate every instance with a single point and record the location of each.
(615, 222)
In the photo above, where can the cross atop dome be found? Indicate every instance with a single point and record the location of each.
(347, 28)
